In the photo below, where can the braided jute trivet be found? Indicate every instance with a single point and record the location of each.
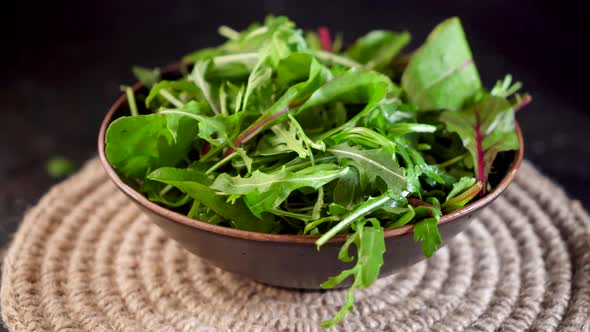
(86, 259)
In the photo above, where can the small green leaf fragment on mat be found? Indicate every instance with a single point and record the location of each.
(59, 167)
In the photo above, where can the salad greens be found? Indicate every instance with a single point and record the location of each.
(278, 131)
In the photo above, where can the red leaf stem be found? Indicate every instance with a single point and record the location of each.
(325, 38)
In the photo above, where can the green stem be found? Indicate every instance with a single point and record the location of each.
(221, 163)
(173, 100)
(363, 210)
(228, 32)
(165, 190)
(309, 227)
(131, 101)
(301, 216)
(451, 161)
(237, 57)
(329, 56)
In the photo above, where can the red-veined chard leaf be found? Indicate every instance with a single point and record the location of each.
(486, 128)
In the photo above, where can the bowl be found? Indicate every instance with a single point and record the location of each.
(290, 261)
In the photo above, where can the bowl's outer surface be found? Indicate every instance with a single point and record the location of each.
(293, 265)
(286, 260)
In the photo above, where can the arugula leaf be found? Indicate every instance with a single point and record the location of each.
(426, 231)
(282, 139)
(373, 163)
(377, 48)
(155, 99)
(203, 54)
(263, 192)
(149, 77)
(459, 201)
(355, 86)
(198, 77)
(486, 128)
(230, 67)
(347, 192)
(318, 74)
(176, 119)
(365, 137)
(458, 187)
(441, 74)
(213, 129)
(363, 209)
(138, 144)
(196, 184)
(370, 243)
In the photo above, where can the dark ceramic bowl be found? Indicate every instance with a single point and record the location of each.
(290, 260)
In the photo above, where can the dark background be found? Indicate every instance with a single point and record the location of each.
(63, 64)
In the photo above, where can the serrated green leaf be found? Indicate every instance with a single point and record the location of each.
(263, 192)
(374, 163)
(155, 99)
(426, 232)
(370, 243)
(355, 86)
(196, 184)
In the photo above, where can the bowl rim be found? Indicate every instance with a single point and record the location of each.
(280, 238)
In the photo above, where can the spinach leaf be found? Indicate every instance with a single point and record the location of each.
(441, 74)
(139, 144)
(377, 48)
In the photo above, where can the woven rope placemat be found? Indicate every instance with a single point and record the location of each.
(86, 259)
